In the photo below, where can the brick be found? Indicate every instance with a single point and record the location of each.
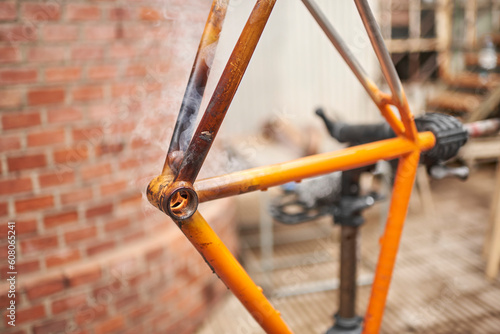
(88, 314)
(102, 72)
(50, 11)
(116, 225)
(77, 196)
(4, 209)
(120, 14)
(51, 327)
(29, 314)
(100, 32)
(34, 203)
(71, 155)
(56, 179)
(23, 227)
(39, 96)
(86, 93)
(8, 11)
(132, 298)
(122, 51)
(133, 236)
(63, 115)
(122, 89)
(99, 210)
(26, 226)
(130, 163)
(60, 219)
(135, 31)
(91, 172)
(87, 52)
(113, 188)
(150, 14)
(10, 98)
(62, 258)
(59, 32)
(23, 267)
(80, 234)
(154, 254)
(136, 70)
(122, 127)
(134, 200)
(68, 304)
(9, 143)
(26, 267)
(14, 186)
(46, 54)
(62, 74)
(33, 245)
(83, 12)
(20, 120)
(10, 54)
(45, 287)
(18, 76)
(98, 111)
(84, 275)
(141, 311)
(18, 32)
(100, 247)
(26, 162)
(91, 134)
(48, 137)
(114, 324)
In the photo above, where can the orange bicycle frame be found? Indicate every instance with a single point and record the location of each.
(177, 192)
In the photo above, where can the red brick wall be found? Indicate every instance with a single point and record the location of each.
(87, 89)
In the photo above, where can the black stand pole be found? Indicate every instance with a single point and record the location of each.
(349, 217)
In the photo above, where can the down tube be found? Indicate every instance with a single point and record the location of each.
(229, 270)
(403, 185)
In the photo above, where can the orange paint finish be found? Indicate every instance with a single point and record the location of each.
(261, 178)
(403, 185)
(230, 271)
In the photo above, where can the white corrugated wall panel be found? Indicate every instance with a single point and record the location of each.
(295, 68)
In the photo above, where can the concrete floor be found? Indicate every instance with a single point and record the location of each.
(438, 284)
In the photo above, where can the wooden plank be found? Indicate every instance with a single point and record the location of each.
(472, 59)
(481, 148)
(444, 16)
(493, 263)
(470, 80)
(414, 19)
(412, 45)
(487, 106)
(470, 24)
(454, 101)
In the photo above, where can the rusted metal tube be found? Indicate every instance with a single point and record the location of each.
(224, 92)
(261, 178)
(403, 185)
(229, 270)
(380, 49)
(197, 81)
(348, 263)
(388, 69)
(380, 99)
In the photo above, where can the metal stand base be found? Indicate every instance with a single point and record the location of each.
(346, 326)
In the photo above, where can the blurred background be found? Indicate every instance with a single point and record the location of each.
(89, 94)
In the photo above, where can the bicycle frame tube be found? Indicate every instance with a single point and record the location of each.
(197, 81)
(175, 185)
(380, 99)
(388, 69)
(224, 92)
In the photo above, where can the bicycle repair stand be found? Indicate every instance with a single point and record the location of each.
(347, 207)
(348, 214)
